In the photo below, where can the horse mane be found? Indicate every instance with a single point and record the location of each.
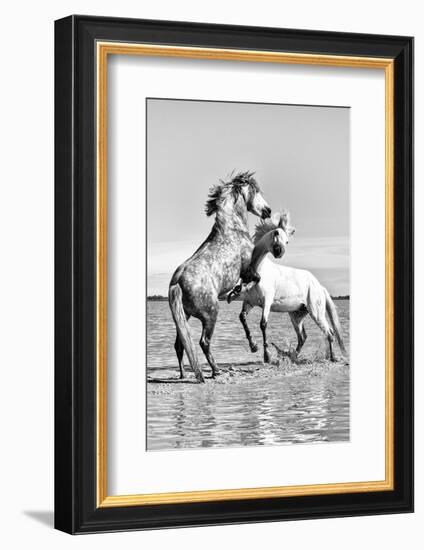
(219, 192)
(277, 220)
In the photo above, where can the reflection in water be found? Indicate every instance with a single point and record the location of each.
(274, 410)
(293, 409)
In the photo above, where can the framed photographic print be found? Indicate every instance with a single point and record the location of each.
(234, 274)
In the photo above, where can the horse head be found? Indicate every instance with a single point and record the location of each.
(242, 192)
(274, 234)
(252, 195)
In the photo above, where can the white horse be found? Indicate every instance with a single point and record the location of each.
(280, 288)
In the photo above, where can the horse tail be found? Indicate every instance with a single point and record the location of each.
(334, 320)
(183, 329)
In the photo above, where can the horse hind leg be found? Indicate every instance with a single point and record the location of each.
(243, 319)
(297, 318)
(329, 335)
(330, 340)
(322, 322)
(179, 349)
(205, 344)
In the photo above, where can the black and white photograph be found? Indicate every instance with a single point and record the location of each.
(248, 278)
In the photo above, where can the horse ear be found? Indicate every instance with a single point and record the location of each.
(285, 224)
(284, 220)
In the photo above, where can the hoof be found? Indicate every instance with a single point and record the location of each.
(216, 373)
(267, 359)
(254, 348)
(294, 355)
(183, 376)
(200, 378)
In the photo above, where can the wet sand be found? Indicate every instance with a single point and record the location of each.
(160, 380)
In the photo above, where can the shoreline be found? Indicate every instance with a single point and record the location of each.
(167, 380)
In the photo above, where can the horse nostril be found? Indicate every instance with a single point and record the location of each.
(278, 251)
(266, 212)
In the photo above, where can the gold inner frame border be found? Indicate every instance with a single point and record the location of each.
(103, 50)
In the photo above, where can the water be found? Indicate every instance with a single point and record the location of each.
(250, 404)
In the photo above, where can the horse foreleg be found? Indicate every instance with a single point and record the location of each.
(243, 319)
(264, 324)
(179, 349)
(205, 344)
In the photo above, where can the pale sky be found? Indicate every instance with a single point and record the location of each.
(301, 158)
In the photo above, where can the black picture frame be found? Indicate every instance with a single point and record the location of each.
(76, 510)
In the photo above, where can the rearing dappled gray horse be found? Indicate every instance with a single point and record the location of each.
(216, 265)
